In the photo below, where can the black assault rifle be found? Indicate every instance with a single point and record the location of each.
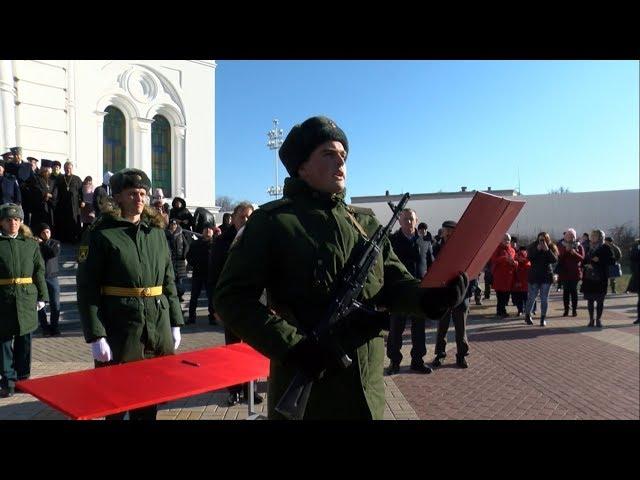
(293, 403)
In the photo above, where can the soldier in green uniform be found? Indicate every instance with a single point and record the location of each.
(295, 248)
(127, 297)
(23, 291)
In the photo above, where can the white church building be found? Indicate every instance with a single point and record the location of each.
(103, 115)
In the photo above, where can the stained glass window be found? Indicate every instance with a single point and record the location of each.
(115, 141)
(161, 154)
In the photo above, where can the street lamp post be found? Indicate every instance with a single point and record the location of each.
(274, 143)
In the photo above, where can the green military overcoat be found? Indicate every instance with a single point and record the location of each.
(295, 248)
(123, 254)
(20, 258)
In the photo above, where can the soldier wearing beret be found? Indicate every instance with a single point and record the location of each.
(23, 292)
(296, 248)
(127, 297)
(458, 314)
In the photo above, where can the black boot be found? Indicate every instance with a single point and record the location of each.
(393, 368)
(461, 362)
(598, 323)
(527, 319)
(566, 312)
(438, 360)
(574, 313)
(590, 320)
(543, 323)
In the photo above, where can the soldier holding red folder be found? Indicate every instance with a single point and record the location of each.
(127, 297)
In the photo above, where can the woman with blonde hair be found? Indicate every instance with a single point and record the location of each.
(543, 254)
(595, 277)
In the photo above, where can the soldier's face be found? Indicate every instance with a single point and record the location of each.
(131, 200)
(10, 226)
(326, 168)
(241, 217)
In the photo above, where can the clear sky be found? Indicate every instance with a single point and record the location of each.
(428, 126)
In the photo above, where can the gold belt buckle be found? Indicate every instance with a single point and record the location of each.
(146, 292)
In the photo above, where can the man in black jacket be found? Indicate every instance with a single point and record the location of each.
(458, 314)
(199, 257)
(415, 252)
(50, 249)
(179, 247)
(241, 214)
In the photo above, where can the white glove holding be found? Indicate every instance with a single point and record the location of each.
(39, 306)
(175, 331)
(101, 351)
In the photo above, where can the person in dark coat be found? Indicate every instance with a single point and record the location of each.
(423, 230)
(570, 256)
(221, 246)
(202, 216)
(42, 195)
(9, 188)
(543, 254)
(226, 222)
(633, 287)
(179, 248)
(181, 213)
(615, 270)
(50, 250)
(101, 194)
(68, 205)
(416, 254)
(596, 275)
(458, 314)
(199, 257)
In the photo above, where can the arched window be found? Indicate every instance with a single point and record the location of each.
(161, 155)
(115, 140)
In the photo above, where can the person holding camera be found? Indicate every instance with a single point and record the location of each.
(543, 254)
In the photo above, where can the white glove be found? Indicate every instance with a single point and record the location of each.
(39, 306)
(101, 351)
(175, 331)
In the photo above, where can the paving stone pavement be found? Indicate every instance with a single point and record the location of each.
(563, 371)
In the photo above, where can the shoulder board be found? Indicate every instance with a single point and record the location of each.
(361, 210)
(270, 206)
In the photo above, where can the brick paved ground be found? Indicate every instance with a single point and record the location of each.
(563, 371)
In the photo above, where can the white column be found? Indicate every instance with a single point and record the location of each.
(142, 145)
(71, 112)
(7, 107)
(178, 160)
(100, 145)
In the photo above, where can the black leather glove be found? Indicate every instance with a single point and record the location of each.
(312, 358)
(370, 320)
(436, 301)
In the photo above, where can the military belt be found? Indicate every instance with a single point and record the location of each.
(132, 291)
(15, 281)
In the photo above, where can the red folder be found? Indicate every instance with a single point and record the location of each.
(479, 231)
(103, 391)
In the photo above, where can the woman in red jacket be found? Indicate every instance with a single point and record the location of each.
(503, 267)
(570, 256)
(520, 280)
